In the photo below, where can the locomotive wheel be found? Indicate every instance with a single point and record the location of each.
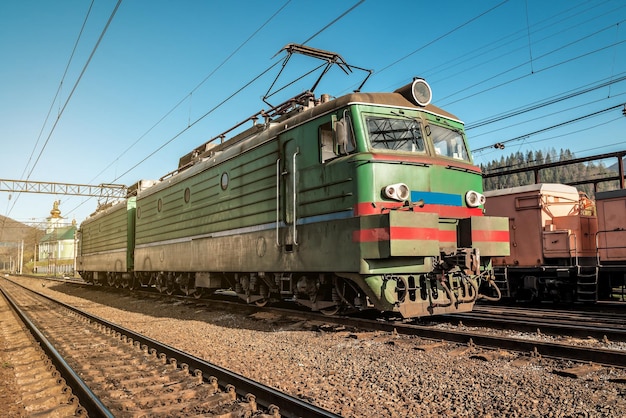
(197, 292)
(342, 292)
(160, 283)
(111, 279)
(261, 302)
(331, 311)
(132, 283)
(186, 290)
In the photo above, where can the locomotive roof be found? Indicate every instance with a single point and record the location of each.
(304, 113)
(210, 152)
(379, 99)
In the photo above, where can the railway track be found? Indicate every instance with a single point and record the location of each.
(535, 325)
(533, 343)
(31, 384)
(125, 374)
(578, 324)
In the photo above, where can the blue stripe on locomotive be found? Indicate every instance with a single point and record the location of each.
(434, 198)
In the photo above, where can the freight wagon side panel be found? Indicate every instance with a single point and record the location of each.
(611, 207)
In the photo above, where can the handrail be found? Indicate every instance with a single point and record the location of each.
(607, 247)
(295, 231)
(278, 202)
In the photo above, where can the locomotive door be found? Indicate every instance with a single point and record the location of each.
(288, 180)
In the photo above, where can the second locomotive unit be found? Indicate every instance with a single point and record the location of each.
(367, 201)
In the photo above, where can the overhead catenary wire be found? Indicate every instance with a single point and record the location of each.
(442, 36)
(188, 95)
(9, 206)
(76, 83)
(54, 100)
(538, 105)
(558, 125)
(508, 40)
(63, 108)
(170, 140)
(550, 67)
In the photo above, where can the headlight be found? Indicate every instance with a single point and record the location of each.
(417, 92)
(474, 199)
(398, 191)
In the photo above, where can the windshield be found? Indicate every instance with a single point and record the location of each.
(395, 134)
(448, 142)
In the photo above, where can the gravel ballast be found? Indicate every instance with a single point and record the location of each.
(358, 374)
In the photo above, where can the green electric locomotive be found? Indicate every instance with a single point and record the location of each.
(366, 201)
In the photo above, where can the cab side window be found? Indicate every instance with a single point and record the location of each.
(336, 138)
(326, 141)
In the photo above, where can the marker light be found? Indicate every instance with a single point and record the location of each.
(474, 199)
(398, 191)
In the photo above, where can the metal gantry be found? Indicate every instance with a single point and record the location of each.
(27, 186)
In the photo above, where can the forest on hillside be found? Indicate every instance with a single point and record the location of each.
(562, 174)
(13, 235)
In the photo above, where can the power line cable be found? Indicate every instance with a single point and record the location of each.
(232, 95)
(188, 95)
(558, 125)
(195, 122)
(66, 102)
(333, 22)
(59, 88)
(538, 105)
(440, 37)
(80, 76)
(556, 50)
(505, 41)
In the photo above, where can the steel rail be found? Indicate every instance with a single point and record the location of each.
(87, 399)
(545, 327)
(266, 396)
(547, 349)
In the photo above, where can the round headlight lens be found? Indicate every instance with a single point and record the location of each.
(421, 92)
(474, 199)
(398, 191)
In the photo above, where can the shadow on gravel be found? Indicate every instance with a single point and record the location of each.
(225, 312)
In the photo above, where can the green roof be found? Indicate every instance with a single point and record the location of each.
(60, 234)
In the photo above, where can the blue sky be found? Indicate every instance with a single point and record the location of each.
(162, 65)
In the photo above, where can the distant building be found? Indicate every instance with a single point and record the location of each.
(57, 249)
